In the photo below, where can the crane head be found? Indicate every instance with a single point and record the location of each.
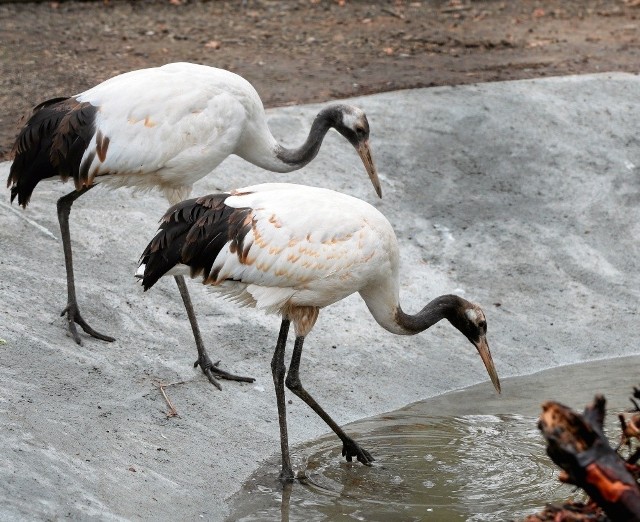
(352, 123)
(469, 318)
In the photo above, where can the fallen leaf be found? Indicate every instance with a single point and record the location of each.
(539, 43)
(388, 51)
(538, 13)
(212, 44)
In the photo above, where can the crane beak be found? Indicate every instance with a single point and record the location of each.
(483, 349)
(365, 155)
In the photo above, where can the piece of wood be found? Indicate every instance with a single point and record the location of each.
(577, 444)
(569, 512)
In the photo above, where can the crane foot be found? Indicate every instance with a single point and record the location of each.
(352, 449)
(213, 373)
(286, 476)
(74, 317)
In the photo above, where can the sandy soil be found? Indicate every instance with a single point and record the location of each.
(308, 50)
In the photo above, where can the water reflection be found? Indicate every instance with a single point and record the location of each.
(286, 501)
(460, 456)
(472, 467)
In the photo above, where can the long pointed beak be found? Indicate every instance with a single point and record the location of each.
(365, 155)
(483, 349)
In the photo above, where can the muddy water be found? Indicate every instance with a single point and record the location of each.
(466, 455)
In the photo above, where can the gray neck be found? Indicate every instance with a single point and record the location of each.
(299, 157)
(442, 307)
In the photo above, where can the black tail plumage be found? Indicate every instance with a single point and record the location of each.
(193, 233)
(50, 144)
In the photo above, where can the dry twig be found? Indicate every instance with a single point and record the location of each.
(172, 410)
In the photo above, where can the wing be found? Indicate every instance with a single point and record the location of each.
(274, 244)
(173, 125)
(51, 143)
(181, 228)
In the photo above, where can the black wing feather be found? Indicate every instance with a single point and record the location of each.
(50, 144)
(193, 233)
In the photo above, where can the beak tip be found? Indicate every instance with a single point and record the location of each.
(365, 155)
(485, 355)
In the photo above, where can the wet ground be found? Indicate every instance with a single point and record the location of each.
(465, 455)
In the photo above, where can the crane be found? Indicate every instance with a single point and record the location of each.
(293, 250)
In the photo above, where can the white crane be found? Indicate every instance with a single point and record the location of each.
(292, 250)
(165, 128)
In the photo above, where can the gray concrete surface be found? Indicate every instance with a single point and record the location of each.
(523, 196)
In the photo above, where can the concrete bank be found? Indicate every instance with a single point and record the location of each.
(522, 196)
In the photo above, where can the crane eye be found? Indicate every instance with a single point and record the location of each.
(482, 325)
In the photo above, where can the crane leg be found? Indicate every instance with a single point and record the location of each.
(350, 448)
(278, 371)
(209, 368)
(72, 310)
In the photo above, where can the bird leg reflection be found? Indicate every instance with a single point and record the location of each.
(350, 448)
(285, 504)
(209, 368)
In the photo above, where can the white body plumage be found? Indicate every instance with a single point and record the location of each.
(307, 247)
(175, 124)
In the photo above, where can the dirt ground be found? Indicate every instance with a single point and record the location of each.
(308, 50)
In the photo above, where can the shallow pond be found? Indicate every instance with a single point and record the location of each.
(465, 455)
